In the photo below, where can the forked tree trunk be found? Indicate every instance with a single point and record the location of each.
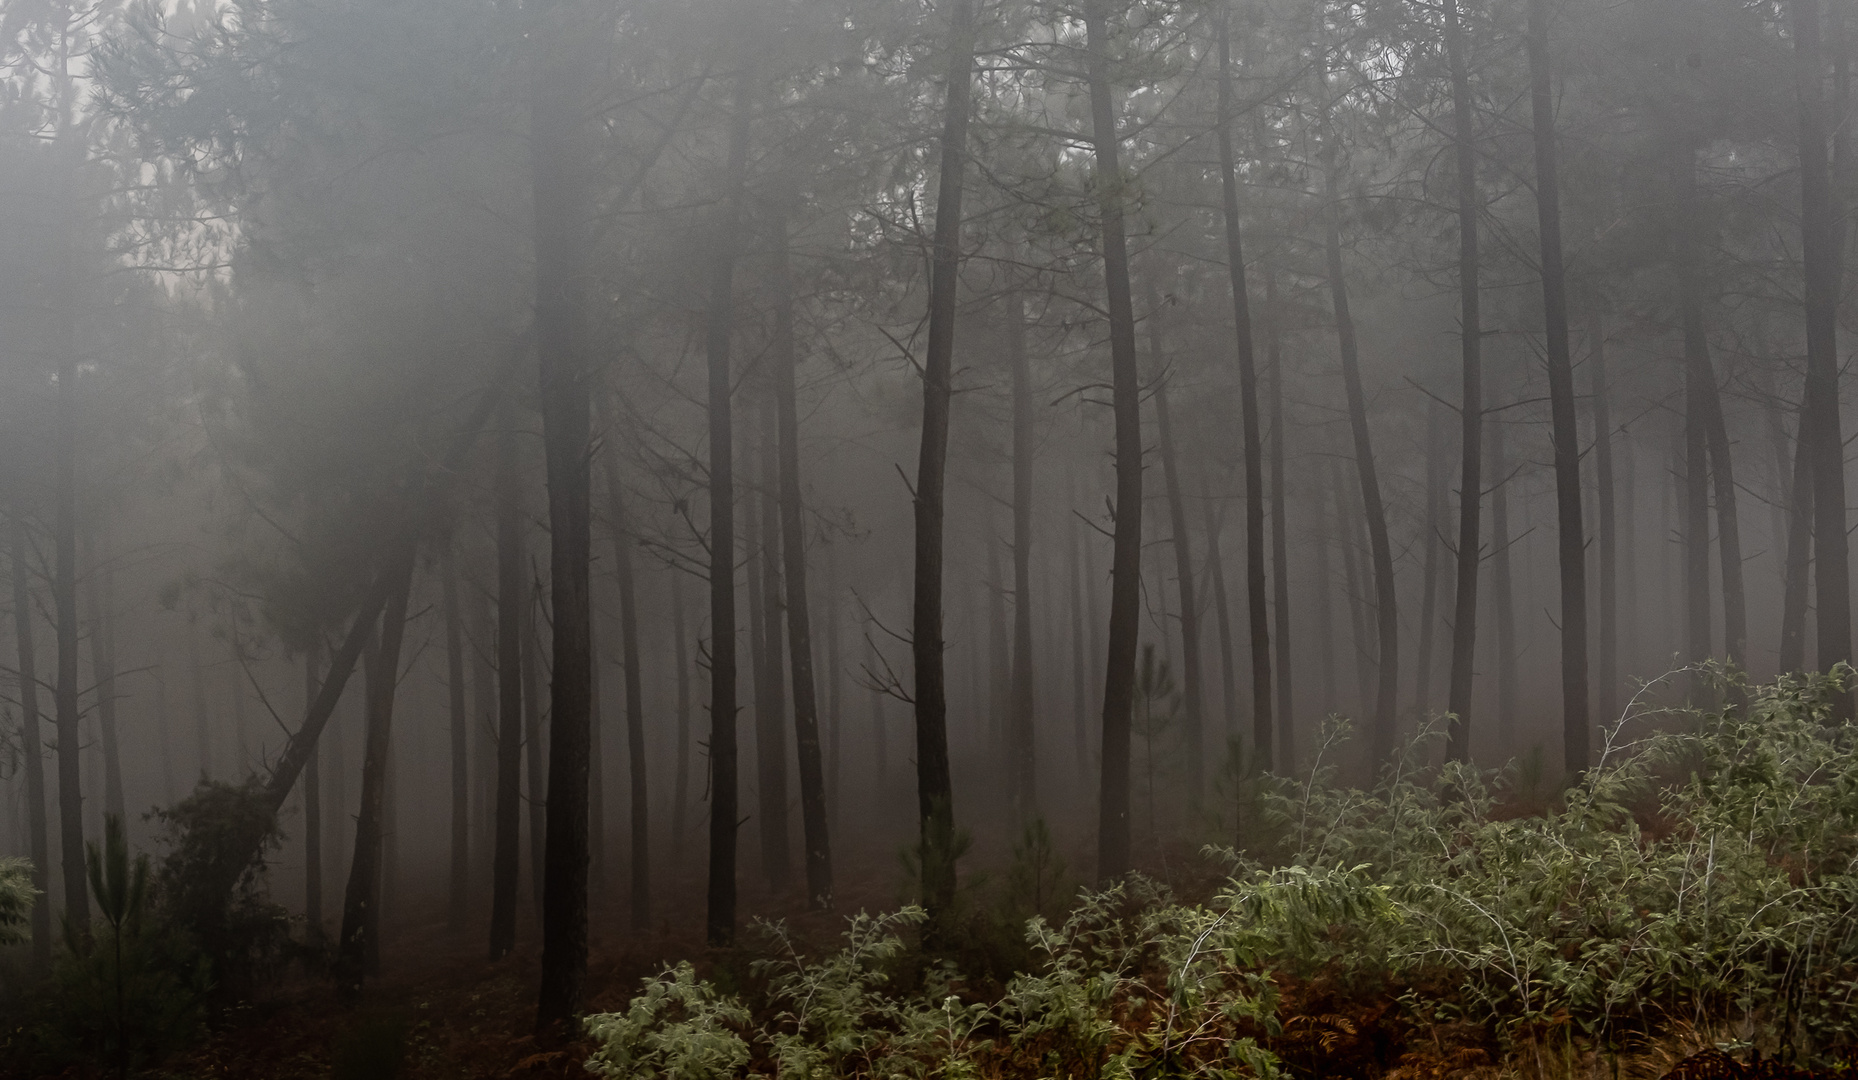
(1192, 707)
(1380, 550)
(1257, 613)
(934, 791)
(814, 836)
(360, 906)
(33, 744)
(512, 597)
(1113, 839)
(719, 916)
(1019, 733)
(1470, 551)
(1822, 240)
(1571, 536)
(460, 740)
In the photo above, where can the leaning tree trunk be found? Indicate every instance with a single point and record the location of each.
(1113, 853)
(1822, 238)
(512, 596)
(638, 774)
(934, 790)
(1022, 771)
(33, 745)
(813, 827)
(1386, 601)
(460, 891)
(1571, 536)
(1257, 612)
(1471, 398)
(719, 916)
(360, 913)
(1192, 706)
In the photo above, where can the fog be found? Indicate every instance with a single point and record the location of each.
(402, 348)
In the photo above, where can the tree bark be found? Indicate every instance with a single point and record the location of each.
(1113, 840)
(719, 916)
(1471, 398)
(512, 597)
(1023, 785)
(934, 789)
(1822, 245)
(1192, 680)
(1257, 612)
(1387, 615)
(1571, 536)
(33, 743)
(638, 772)
(360, 905)
(460, 739)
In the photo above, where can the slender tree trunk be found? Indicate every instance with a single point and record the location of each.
(360, 905)
(999, 653)
(1387, 614)
(203, 736)
(1471, 397)
(1222, 614)
(33, 744)
(934, 790)
(312, 810)
(596, 774)
(719, 918)
(535, 742)
(64, 602)
(1286, 748)
(1020, 748)
(1571, 536)
(771, 727)
(1822, 244)
(1113, 847)
(1193, 708)
(1798, 565)
(512, 597)
(680, 791)
(835, 686)
(1697, 620)
(638, 771)
(1080, 695)
(1257, 612)
(1348, 532)
(1504, 588)
(1429, 589)
(99, 597)
(792, 523)
(460, 736)
(1607, 697)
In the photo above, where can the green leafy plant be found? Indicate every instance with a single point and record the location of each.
(16, 896)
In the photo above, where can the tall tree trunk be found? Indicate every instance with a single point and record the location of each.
(1256, 610)
(1571, 536)
(1822, 245)
(835, 686)
(535, 741)
(1386, 601)
(770, 722)
(1192, 681)
(100, 597)
(33, 744)
(360, 905)
(817, 842)
(1348, 533)
(1798, 565)
(1325, 586)
(596, 774)
(1607, 696)
(1503, 586)
(1113, 851)
(1429, 589)
(1222, 614)
(638, 773)
(1021, 763)
(64, 604)
(719, 916)
(1080, 694)
(196, 671)
(1286, 748)
(680, 789)
(460, 738)
(512, 597)
(312, 810)
(934, 789)
(1697, 621)
(1471, 397)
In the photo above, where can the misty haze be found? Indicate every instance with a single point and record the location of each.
(927, 538)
